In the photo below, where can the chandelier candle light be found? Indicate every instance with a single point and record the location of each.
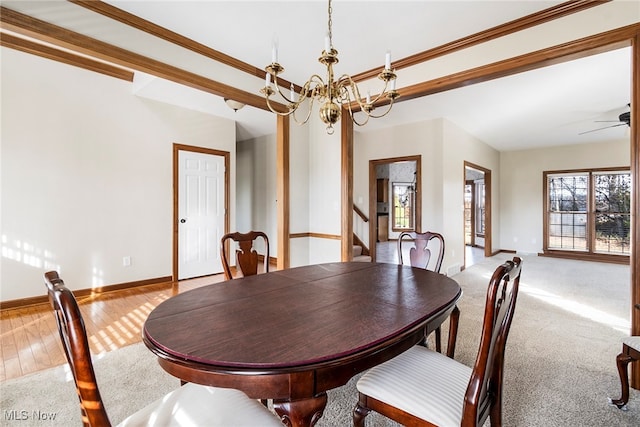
(334, 93)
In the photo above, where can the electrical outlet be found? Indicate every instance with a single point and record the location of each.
(126, 261)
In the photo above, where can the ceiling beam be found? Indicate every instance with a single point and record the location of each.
(514, 26)
(44, 51)
(36, 29)
(149, 27)
(587, 46)
(591, 45)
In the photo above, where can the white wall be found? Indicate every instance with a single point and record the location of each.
(458, 147)
(298, 193)
(256, 189)
(521, 198)
(87, 176)
(244, 185)
(323, 176)
(314, 169)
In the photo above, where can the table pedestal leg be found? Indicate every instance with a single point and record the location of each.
(304, 412)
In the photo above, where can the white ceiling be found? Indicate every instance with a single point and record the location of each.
(547, 106)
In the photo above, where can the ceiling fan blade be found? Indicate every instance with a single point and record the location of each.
(606, 127)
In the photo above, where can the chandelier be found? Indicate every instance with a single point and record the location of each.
(405, 194)
(331, 95)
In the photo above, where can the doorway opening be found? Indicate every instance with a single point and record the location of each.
(477, 213)
(395, 203)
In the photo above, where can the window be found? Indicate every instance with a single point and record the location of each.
(403, 203)
(588, 212)
(612, 192)
(479, 185)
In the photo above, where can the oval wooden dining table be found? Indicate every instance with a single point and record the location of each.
(291, 335)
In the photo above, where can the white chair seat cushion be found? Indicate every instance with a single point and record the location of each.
(196, 405)
(633, 342)
(421, 382)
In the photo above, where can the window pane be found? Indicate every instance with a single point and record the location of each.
(612, 233)
(568, 193)
(403, 196)
(568, 202)
(480, 208)
(467, 214)
(613, 207)
(613, 192)
(568, 231)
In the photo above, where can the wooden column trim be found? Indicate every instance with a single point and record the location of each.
(635, 201)
(66, 39)
(373, 194)
(346, 172)
(282, 192)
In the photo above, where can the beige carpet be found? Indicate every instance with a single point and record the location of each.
(560, 361)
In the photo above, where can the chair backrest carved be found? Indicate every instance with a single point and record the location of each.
(76, 347)
(420, 253)
(485, 385)
(246, 256)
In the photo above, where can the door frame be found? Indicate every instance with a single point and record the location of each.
(176, 188)
(373, 236)
(488, 246)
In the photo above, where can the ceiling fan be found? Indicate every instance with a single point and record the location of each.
(623, 119)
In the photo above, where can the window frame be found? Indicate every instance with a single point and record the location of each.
(411, 204)
(590, 233)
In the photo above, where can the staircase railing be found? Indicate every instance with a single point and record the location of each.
(360, 213)
(360, 229)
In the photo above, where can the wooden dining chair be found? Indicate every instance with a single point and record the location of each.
(420, 256)
(630, 353)
(246, 256)
(190, 404)
(424, 387)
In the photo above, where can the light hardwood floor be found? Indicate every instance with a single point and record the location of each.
(29, 337)
(29, 340)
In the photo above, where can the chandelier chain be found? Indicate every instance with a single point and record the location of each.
(329, 22)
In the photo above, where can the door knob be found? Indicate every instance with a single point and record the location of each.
(183, 220)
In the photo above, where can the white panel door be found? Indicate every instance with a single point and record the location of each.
(200, 213)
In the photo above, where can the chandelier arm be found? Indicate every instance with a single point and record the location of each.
(380, 95)
(354, 120)
(319, 88)
(273, 110)
(282, 95)
(353, 117)
(306, 92)
(375, 116)
(366, 107)
(345, 82)
(306, 119)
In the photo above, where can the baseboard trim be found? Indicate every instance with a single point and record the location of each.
(272, 260)
(316, 235)
(24, 302)
(611, 259)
